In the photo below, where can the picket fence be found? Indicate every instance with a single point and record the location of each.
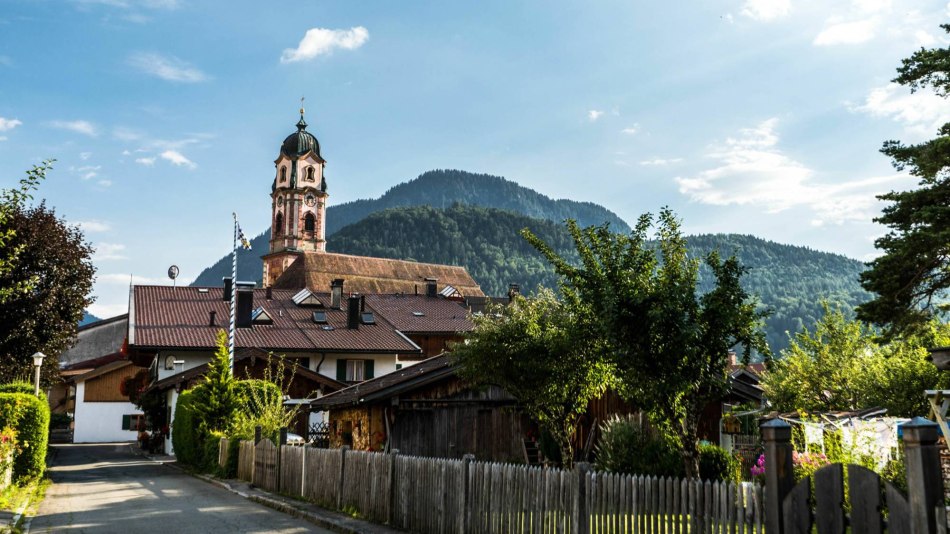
(435, 495)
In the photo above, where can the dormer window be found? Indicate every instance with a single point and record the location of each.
(305, 298)
(260, 316)
(283, 174)
(309, 174)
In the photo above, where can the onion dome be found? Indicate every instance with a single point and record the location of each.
(301, 141)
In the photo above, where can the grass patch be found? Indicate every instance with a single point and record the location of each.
(13, 497)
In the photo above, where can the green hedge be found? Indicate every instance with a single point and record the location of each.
(29, 416)
(20, 386)
(715, 463)
(185, 434)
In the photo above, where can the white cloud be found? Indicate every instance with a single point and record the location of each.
(125, 134)
(855, 32)
(80, 126)
(9, 124)
(177, 159)
(108, 252)
(106, 311)
(166, 67)
(87, 172)
(766, 10)
(631, 129)
(85, 155)
(594, 114)
(104, 183)
(93, 226)
(659, 162)
(750, 170)
(321, 41)
(148, 162)
(921, 113)
(3, 138)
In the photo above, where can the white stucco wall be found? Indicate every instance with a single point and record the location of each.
(384, 363)
(99, 422)
(172, 400)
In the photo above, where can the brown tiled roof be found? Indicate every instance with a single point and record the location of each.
(439, 315)
(165, 316)
(382, 387)
(363, 274)
(241, 355)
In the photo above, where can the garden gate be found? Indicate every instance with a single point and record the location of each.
(793, 508)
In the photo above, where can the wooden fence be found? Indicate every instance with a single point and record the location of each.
(435, 496)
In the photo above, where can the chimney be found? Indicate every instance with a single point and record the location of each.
(227, 289)
(336, 293)
(211, 317)
(732, 359)
(245, 304)
(513, 289)
(353, 312)
(270, 293)
(362, 303)
(431, 286)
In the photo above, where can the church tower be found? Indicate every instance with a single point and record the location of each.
(298, 202)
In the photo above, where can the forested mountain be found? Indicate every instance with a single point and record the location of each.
(789, 280)
(88, 318)
(442, 188)
(439, 189)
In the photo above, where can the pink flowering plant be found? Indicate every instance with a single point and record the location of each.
(806, 463)
(758, 470)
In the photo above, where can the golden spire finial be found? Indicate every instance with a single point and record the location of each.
(301, 107)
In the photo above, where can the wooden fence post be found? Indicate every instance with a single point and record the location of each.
(466, 494)
(779, 473)
(257, 435)
(391, 516)
(281, 441)
(924, 475)
(339, 493)
(581, 520)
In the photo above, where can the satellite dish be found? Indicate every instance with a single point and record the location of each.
(173, 272)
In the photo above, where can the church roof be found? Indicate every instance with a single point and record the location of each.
(300, 142)
(367, 275)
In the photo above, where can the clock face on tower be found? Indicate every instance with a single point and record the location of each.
(310, 199)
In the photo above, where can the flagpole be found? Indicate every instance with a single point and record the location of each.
(233, 297)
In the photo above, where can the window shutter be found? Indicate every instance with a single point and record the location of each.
(126, 422)
(341, 370)
(368, 370)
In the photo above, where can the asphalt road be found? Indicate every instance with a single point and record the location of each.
(106, 488)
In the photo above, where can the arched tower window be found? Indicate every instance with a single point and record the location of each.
(279, 224)
(310, 174)
(283, 174)
(309, 223)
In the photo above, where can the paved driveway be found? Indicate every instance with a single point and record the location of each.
(107, 488)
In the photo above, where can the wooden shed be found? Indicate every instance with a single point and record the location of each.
(427, 410)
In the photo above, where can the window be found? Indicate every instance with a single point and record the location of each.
(283, 174)
(367, 318)
(310, 174)
(309, 223)
(279, 224)
(320, 317)
(354, 370)
(133, 422)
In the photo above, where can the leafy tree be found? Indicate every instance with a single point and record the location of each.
(912, 277)
(669, 343)
(12, 201)
(818, 370)
(839, 366)
(54, 262)
(539, 350)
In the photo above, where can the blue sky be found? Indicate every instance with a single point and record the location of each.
(748, 116)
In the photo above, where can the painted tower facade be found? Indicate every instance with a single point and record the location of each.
(298, 202)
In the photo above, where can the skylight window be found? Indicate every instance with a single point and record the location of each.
(305, 298)
(260, 316)
(419, 314)
(202, 290)
(368, 318)
(320, 317)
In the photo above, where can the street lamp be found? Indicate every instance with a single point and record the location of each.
(38, 362)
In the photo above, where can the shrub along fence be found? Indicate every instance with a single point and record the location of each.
(434, 495)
